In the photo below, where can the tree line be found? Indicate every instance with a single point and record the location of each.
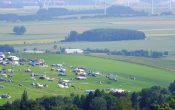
(52, 13)
(105, 35)
(154, 98)
(137, 53)
(6, 48)
(46, 14)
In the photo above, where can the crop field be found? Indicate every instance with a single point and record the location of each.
(160, 32)
(145, 76)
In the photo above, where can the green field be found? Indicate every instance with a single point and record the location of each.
(167, 63)
(145, 76)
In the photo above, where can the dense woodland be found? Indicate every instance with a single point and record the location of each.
(154, 98)
(105, 35)
(6, 48)
(137, 53)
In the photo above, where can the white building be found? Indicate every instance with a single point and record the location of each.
(72, 51)
(34, 51)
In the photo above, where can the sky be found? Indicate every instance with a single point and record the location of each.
(132, 1)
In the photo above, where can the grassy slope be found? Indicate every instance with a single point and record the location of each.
(164, 63)
(145, 76)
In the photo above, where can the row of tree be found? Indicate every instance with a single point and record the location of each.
(105, 35)
(46, 14)
(51, 13)
(137, 53)
(154, 98)
(6, 48)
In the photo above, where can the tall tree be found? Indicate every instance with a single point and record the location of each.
(172, 87)
(98, 103)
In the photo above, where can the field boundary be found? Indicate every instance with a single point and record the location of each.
(133, 63)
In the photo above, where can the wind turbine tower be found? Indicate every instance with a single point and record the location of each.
(152, 7)
(105, 7)
(128, 3)
(170, 4)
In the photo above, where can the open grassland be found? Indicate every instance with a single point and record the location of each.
(145, 76)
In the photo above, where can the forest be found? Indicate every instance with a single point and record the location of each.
(105, 35)
(124, 52)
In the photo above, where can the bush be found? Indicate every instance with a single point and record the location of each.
(6, 48)
(19, 30)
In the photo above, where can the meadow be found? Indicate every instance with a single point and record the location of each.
(145, 76)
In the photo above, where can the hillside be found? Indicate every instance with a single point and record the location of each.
(123, 72)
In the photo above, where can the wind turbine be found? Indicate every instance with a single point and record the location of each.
(170, 4)
(152, 7)
(128, 3)
(105, 7)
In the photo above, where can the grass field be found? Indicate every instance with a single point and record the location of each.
(145, 76)
(167, 63)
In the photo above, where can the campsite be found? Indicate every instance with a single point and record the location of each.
(81, 73)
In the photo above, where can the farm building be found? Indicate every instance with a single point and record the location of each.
(34, 51)
(73, 51)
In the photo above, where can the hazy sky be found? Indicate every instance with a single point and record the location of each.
(125, 1)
